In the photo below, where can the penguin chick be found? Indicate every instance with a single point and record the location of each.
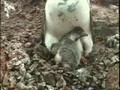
(68, 56)
(75, 34)
(66, 51)
(69, 38)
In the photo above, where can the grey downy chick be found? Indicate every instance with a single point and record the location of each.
(66, 52)
(68, 39)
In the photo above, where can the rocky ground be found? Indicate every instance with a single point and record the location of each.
(23, 69)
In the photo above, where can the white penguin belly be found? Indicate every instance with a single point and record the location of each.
(63, 15)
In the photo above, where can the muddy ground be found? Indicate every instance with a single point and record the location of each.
(24, 27)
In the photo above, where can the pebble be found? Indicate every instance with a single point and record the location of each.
(103, 84)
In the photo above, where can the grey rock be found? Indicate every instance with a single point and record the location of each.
(103, 84)
(28, 76)
(100, 76)
(31, 88)
(21, 86)
(95, 79)
(37, 73)
(33, 66)
(22, 70)
(83, 74)
(5, 80)
(49, 78)
(41, 86)
(90, 88)
(66, 88)
(50, 87)
(113, 41)
(25, 59)
(107, 62)
(115, 59)
(61, 82)
(12, 80)
(21, 58)
(30, 81)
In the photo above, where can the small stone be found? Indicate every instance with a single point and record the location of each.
(22, 70)
(94, 78)
(115, 59)
(107, 62)
(18, 63)
(117, 36)
(101, 63)
(117, 10)
(28, 76)
(113, 41)
(31, 88)
(30, 81)
(25, 59)
(28, 44)
(50, 87)
(49, 78)
(117, 46)
(83, 74)
(33, 66)
(37, 73)
(105, 74)
(19, 77)
(3, 38)
(28, 16)
(21, 86)
(98, 82)
(103, 84)
(61, 82)
(6, 80)
(41, 86)
(75, 87)
(66, 88)
(99, 76)
(90, 88)
(42, 62)
(17, 46)
(87, 83)
(113, 7)
(12, 80)
(9, 65)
